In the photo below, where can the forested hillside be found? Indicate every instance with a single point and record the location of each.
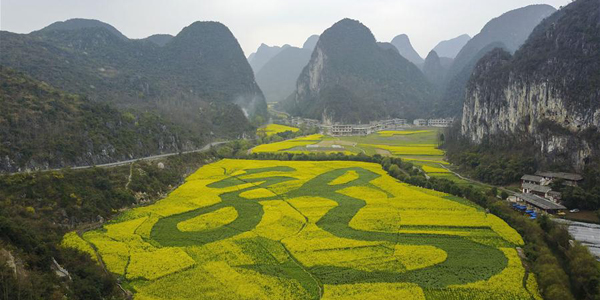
(352, 78)
(192, 80)
(42, 127)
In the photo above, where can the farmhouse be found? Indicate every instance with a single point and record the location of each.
(569, 178)
(296, 121)
(533, 179)
(539, 184)
(539, 204)
(339, 129)
(391, 124)
(441, 122)
(366, 129)
(536, 189)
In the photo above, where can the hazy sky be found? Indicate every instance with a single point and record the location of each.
(273, 22)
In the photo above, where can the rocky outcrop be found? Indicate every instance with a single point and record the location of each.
(548, 92)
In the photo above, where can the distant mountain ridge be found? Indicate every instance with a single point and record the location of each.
(76, 24)
(352, 78)
(450, 48)
(511, 29)
(263, 54)
(402, 43)
(277, 78)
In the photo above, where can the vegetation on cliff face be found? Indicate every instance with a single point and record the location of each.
(564, 50)
(198, 72)
(42, 127)
(543, 102)
(510, 30)
(547, 93)
(352, 78)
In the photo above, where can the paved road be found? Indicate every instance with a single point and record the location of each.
(130, 161)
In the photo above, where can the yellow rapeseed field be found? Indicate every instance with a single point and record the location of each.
(273, 129)
(389, 133)
(72, 240)
(289, 144)
(430, 169)
(423, 150)
(243, 229)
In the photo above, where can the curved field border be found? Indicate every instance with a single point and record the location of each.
(467, 261)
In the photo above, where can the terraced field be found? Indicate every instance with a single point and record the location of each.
(241, 229)
(419, 146)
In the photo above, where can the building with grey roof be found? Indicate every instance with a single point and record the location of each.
(533, 179)
(569, 178)
(540, 190)
(539, 204)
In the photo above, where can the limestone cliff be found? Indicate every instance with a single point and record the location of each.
(548, 92)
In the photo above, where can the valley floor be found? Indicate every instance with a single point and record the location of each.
(315, 230)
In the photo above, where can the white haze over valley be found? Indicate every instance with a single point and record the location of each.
(273, 22)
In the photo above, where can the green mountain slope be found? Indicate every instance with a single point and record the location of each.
(191, 80)
(42, 127)
(159, 39)
(352, 78)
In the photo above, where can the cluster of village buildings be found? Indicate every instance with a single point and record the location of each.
(338, 129)
(537, 194)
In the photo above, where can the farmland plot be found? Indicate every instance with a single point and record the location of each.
(241, 229)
